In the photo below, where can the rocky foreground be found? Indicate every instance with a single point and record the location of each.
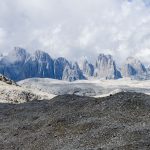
(69, 122)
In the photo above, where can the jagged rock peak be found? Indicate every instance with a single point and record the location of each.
(132, 60)
(102, 56)
(72, 72)
(61, 59)
(41, 55)
(105, 67)
(17, 54)
(19, 51)
(59, 66)
(87, 68)
(133, 67)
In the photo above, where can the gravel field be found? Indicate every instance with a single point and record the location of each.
(70, 122)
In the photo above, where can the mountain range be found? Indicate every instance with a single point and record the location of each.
(19, 64)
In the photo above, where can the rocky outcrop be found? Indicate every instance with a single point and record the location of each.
(59, 66)
(133, 68)
(7, 81)
(105, 68)
(11, 65)
(87, 68)
(11, 92)
(19, 65)
(39, 64)
(72, 72)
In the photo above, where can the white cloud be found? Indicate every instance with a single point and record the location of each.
(143, 54)
(75, 28)
(2, 36)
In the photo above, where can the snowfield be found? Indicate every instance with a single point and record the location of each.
(92, 87)
(44, 88)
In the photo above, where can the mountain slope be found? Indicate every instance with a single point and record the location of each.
(71, 122)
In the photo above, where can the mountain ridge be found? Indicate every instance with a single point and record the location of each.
(19, 64)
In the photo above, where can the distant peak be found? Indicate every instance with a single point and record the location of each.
(61, 59)
(133, 60)
(108, 56)
(19, 50)
(40, 52)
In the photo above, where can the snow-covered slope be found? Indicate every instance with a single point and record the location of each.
(94, 88)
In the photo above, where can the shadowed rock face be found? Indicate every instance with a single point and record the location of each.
(59, 66)
(133, 67)
(40, 64)
(72, 72)
(71, 122)
(11, 66)
(19, 65)
(87, 68)
(106, 68)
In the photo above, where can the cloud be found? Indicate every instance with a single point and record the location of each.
(77, 28)
(2, 36)
(144, 54)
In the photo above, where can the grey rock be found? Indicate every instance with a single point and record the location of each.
(133, 68)
(87, 68)
(7, 81)
(11, 65)
(105, 67)
(72, 72)
(70, 122)
(59, 66)
(19, 65)
(40, 64)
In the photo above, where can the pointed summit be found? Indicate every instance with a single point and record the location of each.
(105, 68)
(87, 68)
(18, 54)
(59, 66)
(73, 72)
(133, 67)
(40, 64)
(41, 55)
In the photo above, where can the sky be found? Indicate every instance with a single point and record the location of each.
(77, 28)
